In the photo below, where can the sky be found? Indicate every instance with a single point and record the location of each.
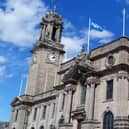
(19, 30)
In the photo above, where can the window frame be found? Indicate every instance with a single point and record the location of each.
(44, 111)
(108, 120)
(83, 92)
(109, 89)
(35, 113)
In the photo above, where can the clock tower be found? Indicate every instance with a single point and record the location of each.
(47, 55)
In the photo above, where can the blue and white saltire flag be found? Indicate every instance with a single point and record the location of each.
(96, 26)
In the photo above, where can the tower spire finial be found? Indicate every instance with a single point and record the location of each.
(54, 5)
(54, 8)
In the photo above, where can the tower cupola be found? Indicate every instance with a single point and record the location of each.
(51, 27)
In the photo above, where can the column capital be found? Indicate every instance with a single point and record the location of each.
(93, 80)
(122, 75)
(70, 88)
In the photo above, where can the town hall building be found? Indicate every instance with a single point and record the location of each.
(90, 91)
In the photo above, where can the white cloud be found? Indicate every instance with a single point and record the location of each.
(18, 25)
(68, 25)
(19, 19)
(10, 75)
(2, 70)
(73, 41)
(100, 34)
(72, 45)
(2, 59)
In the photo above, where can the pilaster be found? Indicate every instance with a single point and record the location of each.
(68, 102)
(91, 84)
(122, 93)
(121, 120)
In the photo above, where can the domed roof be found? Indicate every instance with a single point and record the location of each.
(53, 17)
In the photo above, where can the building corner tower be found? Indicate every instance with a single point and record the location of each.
(47, 56)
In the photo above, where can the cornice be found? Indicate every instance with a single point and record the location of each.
(112, 50)
(114, 69)
(48, 44)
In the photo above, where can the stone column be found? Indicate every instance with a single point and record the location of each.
(75, 124)
(21, 119)
(43, 32)
(51, 31)
(68, 106)
(92, 81)
(92, 100)
(58, 35)
(121, 121)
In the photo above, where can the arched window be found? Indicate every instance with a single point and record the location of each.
(32, 127)
(41, 127)
(108, 120)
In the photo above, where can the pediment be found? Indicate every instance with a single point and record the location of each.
(72, 75)
(17, 101)
(80, 67)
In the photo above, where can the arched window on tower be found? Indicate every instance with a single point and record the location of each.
(108, 120)
(32, 128)
(54, 34)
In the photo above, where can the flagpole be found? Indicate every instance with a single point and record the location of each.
(124, 22)
(88, 42)
(21, 84)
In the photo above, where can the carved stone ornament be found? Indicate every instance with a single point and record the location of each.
(79, 113)
(123, 75)
(110, 61)
(70, 88)
(61, 120)
(53, 17)
(73, 74)
(52, 126)
(93, 80)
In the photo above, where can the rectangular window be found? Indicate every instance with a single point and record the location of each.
(63, 101)
(53, 111)
(109, 89)
(44, 112)
(35, 114)
(83, 94)
(16, 115)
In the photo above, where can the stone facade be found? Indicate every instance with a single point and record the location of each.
(90, 91)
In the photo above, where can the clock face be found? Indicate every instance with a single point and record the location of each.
(52, 57)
